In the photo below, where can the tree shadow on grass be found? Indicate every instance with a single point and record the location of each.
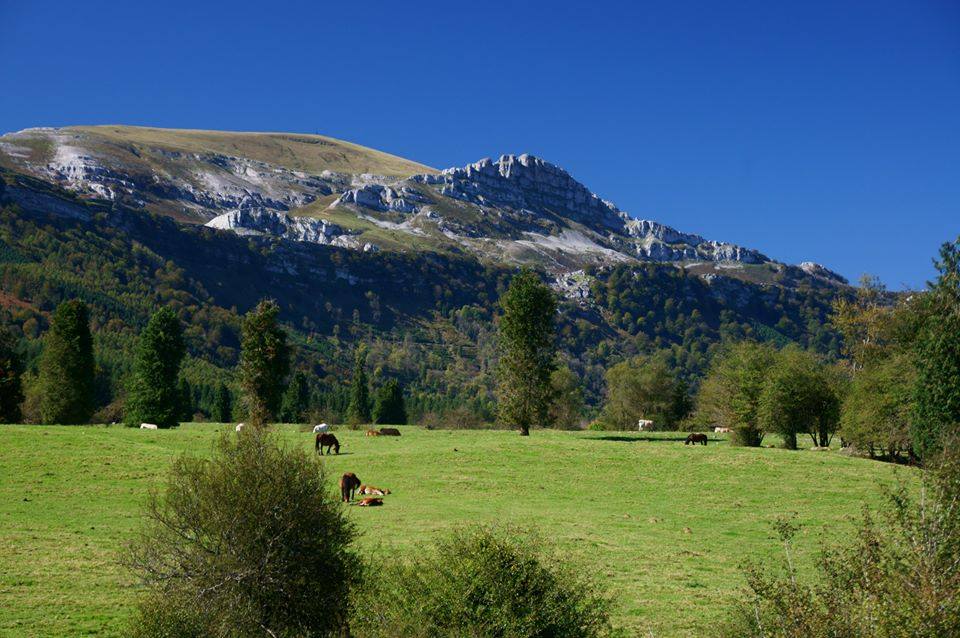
(652, 439)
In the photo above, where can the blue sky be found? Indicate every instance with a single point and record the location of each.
(824, 131)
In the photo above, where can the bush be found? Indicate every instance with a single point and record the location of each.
(248, 543)
(897, 578)
(481, 582)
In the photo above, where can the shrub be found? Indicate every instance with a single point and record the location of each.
(248, 543)
(481, 582)
(897, 578)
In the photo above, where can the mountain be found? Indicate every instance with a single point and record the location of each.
(356, 244)
(518, 209)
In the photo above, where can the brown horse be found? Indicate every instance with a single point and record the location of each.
(373, 491)
(328, 441)
(696, 437)
(370, 501)
(348, 485)
(389, 432)
(372, 433)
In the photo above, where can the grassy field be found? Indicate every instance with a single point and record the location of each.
(664, 525)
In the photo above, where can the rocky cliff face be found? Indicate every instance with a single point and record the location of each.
(518, 209)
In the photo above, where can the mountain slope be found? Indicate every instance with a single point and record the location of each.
(519, 209)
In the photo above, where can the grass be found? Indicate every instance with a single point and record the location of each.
(296, 151)
(664, 525)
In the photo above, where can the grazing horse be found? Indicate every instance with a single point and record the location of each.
(325, 440)
(348, 485)
(696, 437)
(370, 501)
(373, 491)
(372, 433)
(389, 432)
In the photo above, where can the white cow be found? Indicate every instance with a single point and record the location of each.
(148, 426)
(323, 427)
(240, 426)
(644, 424)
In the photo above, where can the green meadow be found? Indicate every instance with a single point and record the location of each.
(665, 526)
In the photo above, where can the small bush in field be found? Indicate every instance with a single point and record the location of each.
(248, 543)
(480, 582)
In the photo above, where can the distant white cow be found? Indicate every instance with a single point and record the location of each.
(323, 427)
(644, 424)
(240, 426)
(148, 426)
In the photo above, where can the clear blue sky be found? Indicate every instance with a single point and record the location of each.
(825, 131)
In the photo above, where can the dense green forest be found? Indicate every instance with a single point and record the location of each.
(427, 320)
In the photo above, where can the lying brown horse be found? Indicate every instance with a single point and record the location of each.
(370, 501)
(328, 441)
(372, 433)
(389, 432)
(348, 485)
(696, 437)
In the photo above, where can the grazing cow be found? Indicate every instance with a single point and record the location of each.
(348, 485)
(148, 426)
(328, 441)
(644, 424)
(240, 426)
(722, 430)
(696, 437)
(372, 433)
(373, 491)
(323, 427)
(370, 501)
(389, 432)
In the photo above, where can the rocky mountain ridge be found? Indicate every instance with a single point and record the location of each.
(517, 209)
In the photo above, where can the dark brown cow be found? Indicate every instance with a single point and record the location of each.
(696, 437)
(389, 432)
(328, 441)
(348, 485)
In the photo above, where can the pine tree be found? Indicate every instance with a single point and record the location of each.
(527, 352)
(11, 386)
(223, 404)
(153, 395)
(185, 406)
(389, 407)
(937, 396)
(359, 409)
(296, 399)
(264, 362)
(67, 366)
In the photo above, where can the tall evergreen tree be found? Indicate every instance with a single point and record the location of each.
(937, 396)
(358, 411)
(527, 352)
(185, 404)
(223, 404)
(264, 362)
(67, 367)
(11, 386)
(296, 399)
(153, 395)
(389, 407)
